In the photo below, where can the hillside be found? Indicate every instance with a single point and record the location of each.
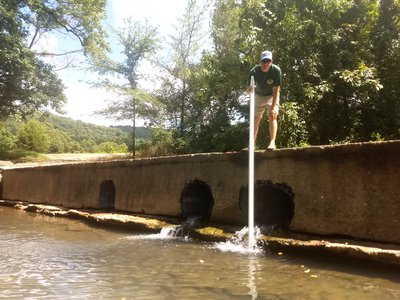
(49, 133)
(81, 131)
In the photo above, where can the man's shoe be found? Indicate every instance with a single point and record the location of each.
(271, 147)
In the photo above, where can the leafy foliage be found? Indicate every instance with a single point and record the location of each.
(27, 83)
(176, 92)
(162, 143)
(292, 127)
(335, 58)
(49, 133)
(33, 137)
(341, 81)
(7, 142)
(138, 42)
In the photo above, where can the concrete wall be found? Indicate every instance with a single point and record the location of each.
(351, 190)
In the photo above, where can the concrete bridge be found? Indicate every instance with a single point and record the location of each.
(348, 190)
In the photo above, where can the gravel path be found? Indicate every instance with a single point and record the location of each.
(50, 159)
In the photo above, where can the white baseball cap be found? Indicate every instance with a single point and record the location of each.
(266, 55)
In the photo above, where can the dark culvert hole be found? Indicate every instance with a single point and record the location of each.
(196, 200)
(107, 195)
(273, 203)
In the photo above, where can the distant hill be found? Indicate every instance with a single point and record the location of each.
(81, 131)
(49, 133)
(141, 132)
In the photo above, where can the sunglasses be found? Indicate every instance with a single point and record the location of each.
(266, 61)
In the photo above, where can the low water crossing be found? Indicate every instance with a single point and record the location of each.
(44, 257)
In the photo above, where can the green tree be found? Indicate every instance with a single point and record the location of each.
(176, 92)
(292, 127)
(88, 145)
(162, 143)
(138, 43)
(33, 137)
(382, 114)
(324, 49)
(202, 98)
(61, 142)
(77, 20)
(7, 142)
(339, 62)
(218, 81)
(111, 147)
(27, 83)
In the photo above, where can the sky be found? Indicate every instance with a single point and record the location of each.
(82, 100)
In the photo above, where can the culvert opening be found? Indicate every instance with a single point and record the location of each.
(196, 200)
(273, 203)
(107, 195)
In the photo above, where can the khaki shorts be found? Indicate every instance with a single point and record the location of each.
(263, 102)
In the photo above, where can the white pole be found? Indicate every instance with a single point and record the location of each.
(251, 168)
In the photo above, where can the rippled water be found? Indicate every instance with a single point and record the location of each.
(51, 258)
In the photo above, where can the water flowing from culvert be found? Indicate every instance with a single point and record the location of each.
(169, 231)
(180, 231)
(44, 257)
(166, 233)
(240, 243)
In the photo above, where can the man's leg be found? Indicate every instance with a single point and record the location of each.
(273, 129)
(257, 120)
(273, 126)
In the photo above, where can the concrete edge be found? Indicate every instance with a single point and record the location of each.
(341, 149)
(384, 254)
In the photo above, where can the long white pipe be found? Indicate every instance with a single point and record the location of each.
(251, 168)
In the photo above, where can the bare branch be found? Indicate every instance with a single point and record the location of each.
(57, 54)
(34, 38)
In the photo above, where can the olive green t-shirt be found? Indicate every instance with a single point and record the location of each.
(265, 81)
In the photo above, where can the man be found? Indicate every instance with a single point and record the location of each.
(267, 78)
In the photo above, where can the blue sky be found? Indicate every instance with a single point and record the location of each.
(84, 100)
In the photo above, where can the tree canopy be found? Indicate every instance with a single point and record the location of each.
(340, 62)
(27, 82)
(49, 133)
(138, 42)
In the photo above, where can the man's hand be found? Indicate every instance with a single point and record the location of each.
(249, 89)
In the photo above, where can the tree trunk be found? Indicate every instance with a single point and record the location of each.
(134, 129)
(182, 125)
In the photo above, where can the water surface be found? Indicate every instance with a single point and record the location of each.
(53, 258)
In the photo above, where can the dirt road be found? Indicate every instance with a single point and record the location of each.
(49, 159)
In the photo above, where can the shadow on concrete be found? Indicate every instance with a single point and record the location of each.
(273, 203)
(196, 200)
(107, 195)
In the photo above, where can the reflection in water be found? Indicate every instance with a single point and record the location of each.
(50, 258)
(252, 285)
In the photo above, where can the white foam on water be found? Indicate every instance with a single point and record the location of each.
(154, 236)
(237, 248)
(166, 233)
(239, 243)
